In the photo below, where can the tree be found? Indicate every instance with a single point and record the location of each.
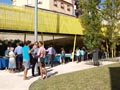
(111, 14)
(91, 22)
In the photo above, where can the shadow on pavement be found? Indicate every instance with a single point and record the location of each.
(115, 78)
(49, 70)
(52, 74)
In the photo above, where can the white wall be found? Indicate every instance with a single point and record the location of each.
(21, 2)
(44, 3)
(70, 1)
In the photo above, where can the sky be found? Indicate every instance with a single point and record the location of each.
(6, 1)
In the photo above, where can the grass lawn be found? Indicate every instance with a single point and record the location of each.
(100, 78)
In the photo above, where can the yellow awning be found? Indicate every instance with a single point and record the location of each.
(22, 19)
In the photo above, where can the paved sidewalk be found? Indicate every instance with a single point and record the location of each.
(14, 81)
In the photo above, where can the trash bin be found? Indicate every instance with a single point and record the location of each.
(95, 58)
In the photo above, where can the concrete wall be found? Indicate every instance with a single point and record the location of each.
(49, 5)
(19, 2)
(58, 8)
(43, 3)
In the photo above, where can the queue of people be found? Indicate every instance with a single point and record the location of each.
(20, 57)
(80, 54)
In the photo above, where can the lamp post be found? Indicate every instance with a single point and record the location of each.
(36, 28)
(36, 21)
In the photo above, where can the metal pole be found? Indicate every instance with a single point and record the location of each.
(73, 53)
(53, 39)
(36, 21)
(36, 28)
(42, 37)
(24, 37)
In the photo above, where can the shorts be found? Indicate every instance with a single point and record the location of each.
(26, 64)
(19, 58)
(77, 57)
(62, 57)
(41, 61)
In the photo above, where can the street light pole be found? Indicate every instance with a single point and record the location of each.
(36, 21)
(36, 28)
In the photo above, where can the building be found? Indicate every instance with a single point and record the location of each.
(63, 6)
(77, 9)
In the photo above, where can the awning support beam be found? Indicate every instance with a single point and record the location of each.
(73, 53)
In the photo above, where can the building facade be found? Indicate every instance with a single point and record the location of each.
(77, 9)
(62, 6)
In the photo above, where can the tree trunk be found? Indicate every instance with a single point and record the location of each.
(114, 49)
(112, 52)
(107, 47)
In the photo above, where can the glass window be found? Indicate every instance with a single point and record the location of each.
(29, 2)
(68, 7)
(39, 1)
(14, 2)
(55, 3)
(62, 5)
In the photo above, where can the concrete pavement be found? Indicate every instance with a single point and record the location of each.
(14, 81)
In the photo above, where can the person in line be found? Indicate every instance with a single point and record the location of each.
(19, 57)
(41, 59)
(34, 51)
(12, 63)
(26, 58)
(7, 57)
(85, 53)
(77, 54)
(51, 55)
(82, 53)
(62, 56)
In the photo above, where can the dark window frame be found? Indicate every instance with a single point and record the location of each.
(55, 3)
(68, 7)
(62, 5)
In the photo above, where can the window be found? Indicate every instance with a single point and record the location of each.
(62, 5)
(29, 2)
(55, 3)
(14, 2)
(68, 7)
(39, 1)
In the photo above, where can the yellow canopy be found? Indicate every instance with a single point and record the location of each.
(22, 19)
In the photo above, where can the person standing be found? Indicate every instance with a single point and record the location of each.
(26, 58)
(19, 57)
(34, 51)
(7, 57)
(12, 63)
(41, 59)
(78, 54)
(82, 53)
(62, 56)
(51, 55)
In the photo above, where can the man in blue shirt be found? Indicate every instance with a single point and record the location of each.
(26, 58)
(19, 57)
(51, 55)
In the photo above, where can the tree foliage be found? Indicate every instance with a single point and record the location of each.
(111, 14)
(91, 23)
